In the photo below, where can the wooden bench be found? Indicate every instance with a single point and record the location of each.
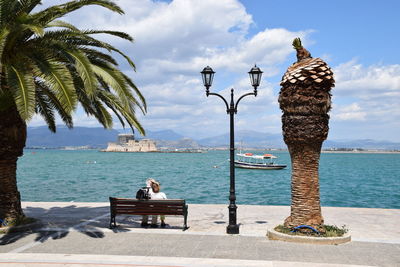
(127, 206)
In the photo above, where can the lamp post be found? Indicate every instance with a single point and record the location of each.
(255, 78)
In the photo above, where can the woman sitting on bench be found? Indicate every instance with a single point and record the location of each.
(155, 194)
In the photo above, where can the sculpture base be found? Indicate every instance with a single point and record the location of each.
(274, 235)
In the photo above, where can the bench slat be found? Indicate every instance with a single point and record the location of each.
(132, 201)
(148, 206)
(154, 211)
(149, 213)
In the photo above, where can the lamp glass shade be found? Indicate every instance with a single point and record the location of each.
(255, 76)
(207, 74)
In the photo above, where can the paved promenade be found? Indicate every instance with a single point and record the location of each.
(77, 234)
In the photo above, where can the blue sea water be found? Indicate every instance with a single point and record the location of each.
(346, 180)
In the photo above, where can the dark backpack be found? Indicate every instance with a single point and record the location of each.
(143, 193)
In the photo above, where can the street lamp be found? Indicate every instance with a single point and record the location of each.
(255, 78)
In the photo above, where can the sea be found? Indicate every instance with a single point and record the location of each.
(365, 180)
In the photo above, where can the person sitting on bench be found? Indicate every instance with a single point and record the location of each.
(156, 194)
(149, 183)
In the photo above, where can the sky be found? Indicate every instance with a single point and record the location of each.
(175, 40)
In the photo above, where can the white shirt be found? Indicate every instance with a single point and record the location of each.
(159, 195)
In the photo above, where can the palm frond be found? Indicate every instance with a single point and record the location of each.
(60, 80)
(131, 119)
(143, 105)
(29, 5)
(116, 113)
(23, 90)
(3, 39)
(54, 12)
(102, 115)
(9, 10)
(84, 69)
(45, 109)
(122, 35)
(115, 81)
(63, 24)
(86, 102)
(77, 39)
(35, 29)
(92, 107)
(48, 71)
(97, 43)
(66, 117)
(98, 58)
(130, 62)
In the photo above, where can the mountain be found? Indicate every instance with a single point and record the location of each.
(167, 135)
(181, 143)
(99, 137)
(78, 136)
(266, 140)
(245, 139)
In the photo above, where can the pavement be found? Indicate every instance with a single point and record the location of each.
(77, 234)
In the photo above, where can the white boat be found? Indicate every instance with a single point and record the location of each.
(261, 162)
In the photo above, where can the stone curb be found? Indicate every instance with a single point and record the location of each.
(274, 235)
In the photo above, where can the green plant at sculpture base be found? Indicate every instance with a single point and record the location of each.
(324, 231)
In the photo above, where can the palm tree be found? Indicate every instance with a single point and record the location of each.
(305, 100)
(48, 67)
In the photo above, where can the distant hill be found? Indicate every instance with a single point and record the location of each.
(167, 135)
(266, 140)
(245, 139)
(78, 136)
(99, 137)
(181, 143)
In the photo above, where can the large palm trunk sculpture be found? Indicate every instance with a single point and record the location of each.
(305, 100)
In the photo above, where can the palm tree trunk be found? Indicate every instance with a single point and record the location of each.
(12, 142)
(306, 207)
(10, 200)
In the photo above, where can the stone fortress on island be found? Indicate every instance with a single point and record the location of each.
(127, 143)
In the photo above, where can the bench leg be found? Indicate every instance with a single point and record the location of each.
(185, 227)
(112, 220)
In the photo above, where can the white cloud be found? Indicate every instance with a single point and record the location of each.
(174, 41)
(367, 98)
(349, 112)
(186, 35)
(375, 88)
(368, 82)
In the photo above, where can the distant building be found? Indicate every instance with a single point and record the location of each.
(127, 143)
(124, 138)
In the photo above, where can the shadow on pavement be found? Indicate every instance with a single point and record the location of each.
(57, 222)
